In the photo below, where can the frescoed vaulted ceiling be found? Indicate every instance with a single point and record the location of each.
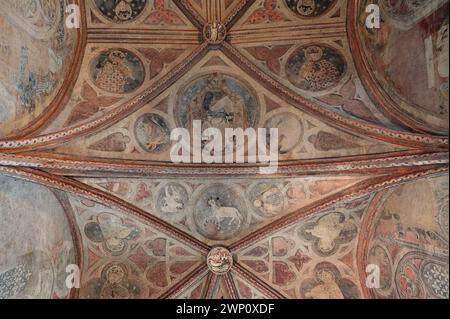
(86, 176)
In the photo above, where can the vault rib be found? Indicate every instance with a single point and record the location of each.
(331, 118)
(265, 288)
(231, 286)
(211, 282)
(185, 282)
(111, 117)
(132, 36)
(289, 33)
(355, 191)
(373, 164)
(196, 19)
(96, 195)
(237, 12)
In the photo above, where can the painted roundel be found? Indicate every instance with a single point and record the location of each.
(267, 199)
(315, 68)
(290, 130)
(114, 240)
(121, 10)
(219, 101)
(152, 132)
(117, 71)
(219, 213)
(219, 260)
(309, 8)
(172, 200)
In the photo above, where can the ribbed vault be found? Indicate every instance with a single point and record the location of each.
(362, 177)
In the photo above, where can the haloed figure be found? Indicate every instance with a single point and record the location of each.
(114, 287)
(114, 73)
(327, 288)
(317, 73)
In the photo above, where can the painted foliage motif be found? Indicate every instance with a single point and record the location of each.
(410, 241)
(121, 10)
(36, 48)
(309, 8)
(117, 71)
(419, 276)
(315, 67)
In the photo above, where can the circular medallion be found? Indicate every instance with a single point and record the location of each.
(121, 10)
(219, 101)
(315, 68)
(290, 130)
(117, 71)
(152, 133)
(407, 279)
(267, 199)
(171, 201)
(219, 212)
(219, 260)
(103, 230)
(309, 8)
(215, 32)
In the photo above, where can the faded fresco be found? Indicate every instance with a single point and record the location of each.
(36, 50)
(121, 11)
(218, 101)
(313, 259)
(126, 257)
(36, 242)
(408, 56)
(315, 68)
(217, 211)
(128, 13)
(223, 97)
(87, 177)
(117, 71)
(410, 241)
